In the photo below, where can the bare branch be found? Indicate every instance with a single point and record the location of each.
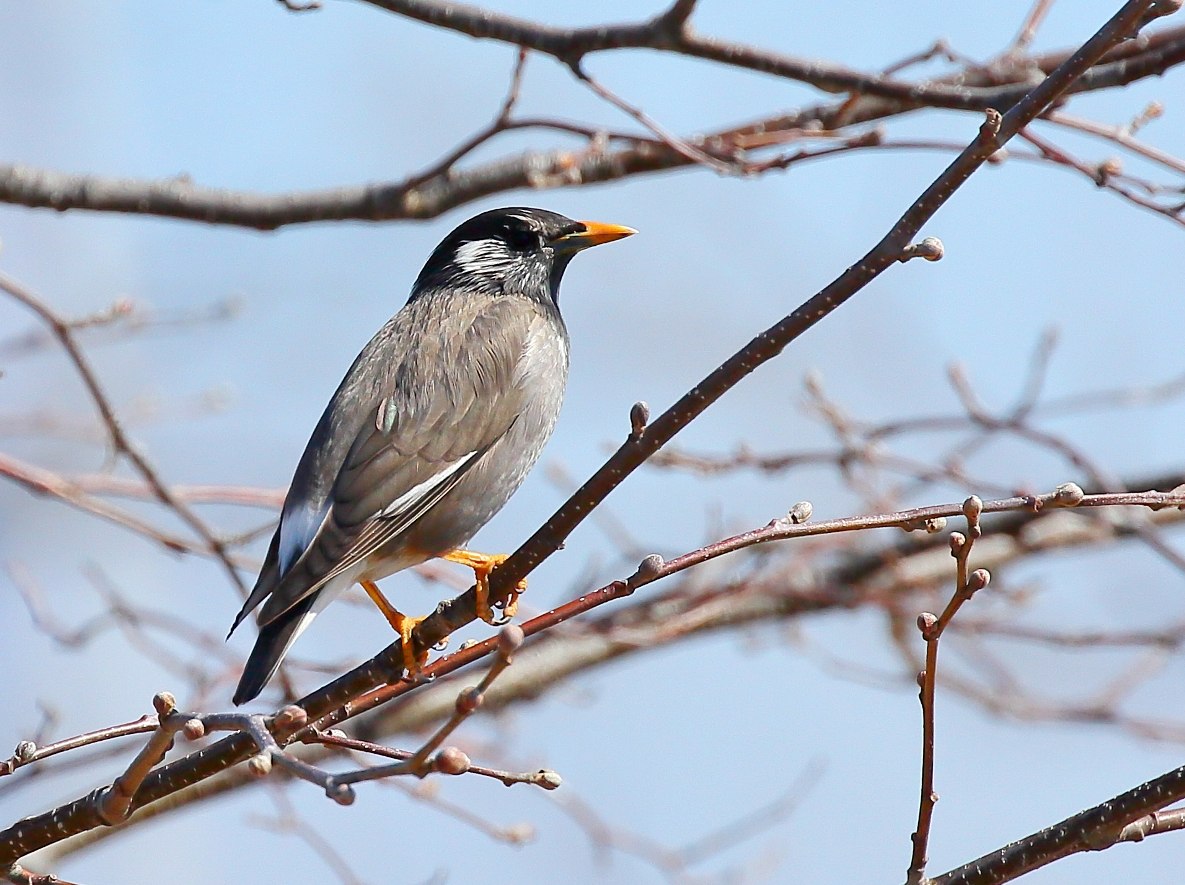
(967, 583)
(443, 187)
(40, 830)
(1091, 830)
(63, 331)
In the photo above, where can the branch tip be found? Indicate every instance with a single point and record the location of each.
(639, 418)
(165, 703)
(972, 508)
(930, 249)
(547, 779)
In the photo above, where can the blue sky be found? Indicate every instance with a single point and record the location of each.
(670, 744)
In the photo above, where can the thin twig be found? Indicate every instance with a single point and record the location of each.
(76, 817)
(931, 627)
(119, 439)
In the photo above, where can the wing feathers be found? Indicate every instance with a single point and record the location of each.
(421, 417)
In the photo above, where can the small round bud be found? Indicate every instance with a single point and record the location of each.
(260, 765)
(469, 700)
(920, 679)
(935, 524)
(978, 579)
(927, 621)
(648, 569)
(972, 507)
(1068, 494)
(291, 716)
(342, 794)
(510, 639)
(801, 512)
(25, 751)
(165, 703)
(450, 760)
(193, 729)
(931, 249)
(957, 540)
(548, 779)
(1108, 169)
(639, 418)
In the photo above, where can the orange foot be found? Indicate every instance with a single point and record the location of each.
(401, 624)
(482, 564)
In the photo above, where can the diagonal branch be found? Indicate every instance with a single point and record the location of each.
(639, 446)
(1120, 819)
(120, 441)
(78, 816)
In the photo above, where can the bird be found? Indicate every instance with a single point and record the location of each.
(435, 425)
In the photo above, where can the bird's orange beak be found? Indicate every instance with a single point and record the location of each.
(594, 234)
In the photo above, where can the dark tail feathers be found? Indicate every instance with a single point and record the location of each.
(269, 650)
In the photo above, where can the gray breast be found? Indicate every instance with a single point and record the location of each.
(541, 376)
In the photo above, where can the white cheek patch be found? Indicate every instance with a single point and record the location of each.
(482, 255)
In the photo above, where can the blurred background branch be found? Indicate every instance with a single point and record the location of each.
(1079, 628)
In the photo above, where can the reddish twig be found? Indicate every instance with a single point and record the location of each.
(38, 831)
(966, 584)
(27, 752)
(545, 778)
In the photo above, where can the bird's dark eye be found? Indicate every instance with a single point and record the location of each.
(520, 239)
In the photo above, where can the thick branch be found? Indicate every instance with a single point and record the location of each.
(35, 832)
(673, 615)
(1093, 829)
(428, 195)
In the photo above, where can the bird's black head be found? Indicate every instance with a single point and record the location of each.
(515, 250)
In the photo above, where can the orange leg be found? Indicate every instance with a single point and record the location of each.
(482, 564)
(400, 623)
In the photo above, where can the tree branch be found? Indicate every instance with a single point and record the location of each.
(1094, 829)
(443, 187)
(34, 832)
